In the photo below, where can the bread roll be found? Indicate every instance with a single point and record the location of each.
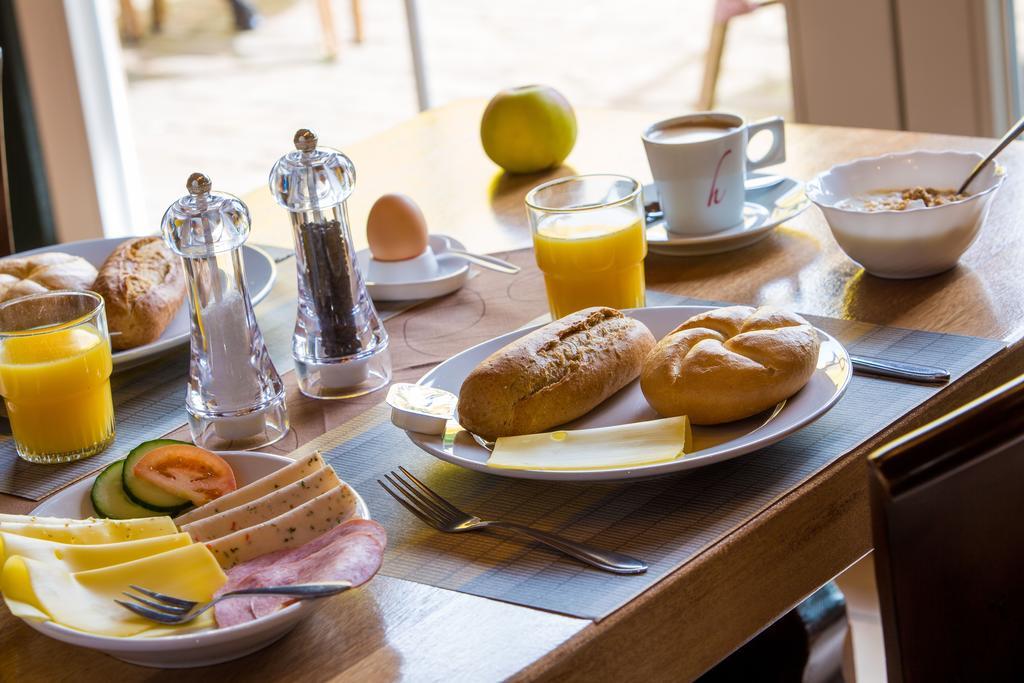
(20, 276)
(143, 286)
(554, 374)
(730, 363)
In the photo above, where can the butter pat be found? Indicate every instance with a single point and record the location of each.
(603, 448)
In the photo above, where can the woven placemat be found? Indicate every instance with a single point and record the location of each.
(665, 521)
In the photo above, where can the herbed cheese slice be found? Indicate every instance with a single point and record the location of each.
(93, 531)
(266, 507)
(77, 558)
(631, 445)
(261, 487)
(293, 528)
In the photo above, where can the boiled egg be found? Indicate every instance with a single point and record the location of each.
(396, 229)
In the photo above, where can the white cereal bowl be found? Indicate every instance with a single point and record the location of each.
(915, 242)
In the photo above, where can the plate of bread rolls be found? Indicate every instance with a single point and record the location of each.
(141, 281)
(744, 377)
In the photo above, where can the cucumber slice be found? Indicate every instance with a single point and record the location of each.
(143, 492)
(109, 499)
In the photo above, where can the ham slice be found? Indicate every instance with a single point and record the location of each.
(351, 552)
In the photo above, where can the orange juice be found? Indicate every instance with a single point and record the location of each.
(594, 258)
(57, 389)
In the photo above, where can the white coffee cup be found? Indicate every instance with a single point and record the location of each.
(700, 163)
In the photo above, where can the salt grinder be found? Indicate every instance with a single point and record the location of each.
(340, 345)
(235, 398)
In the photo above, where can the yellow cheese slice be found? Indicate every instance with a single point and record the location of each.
(266, 507)
(36, 519)
(76, 558)
(261, 487)
(632, 445)
(291, 529)
(85, 600)
(93, 531)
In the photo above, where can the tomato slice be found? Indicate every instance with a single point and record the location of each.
(187, 471)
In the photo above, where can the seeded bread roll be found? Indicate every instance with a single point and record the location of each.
(554, 374)
(730, 363)
(143, 286)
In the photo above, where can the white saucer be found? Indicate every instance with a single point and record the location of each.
(452, 273)
(763, 211)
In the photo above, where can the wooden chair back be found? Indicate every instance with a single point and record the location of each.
(948, 521)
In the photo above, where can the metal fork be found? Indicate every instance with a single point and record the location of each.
(168, 609)
(435, 511)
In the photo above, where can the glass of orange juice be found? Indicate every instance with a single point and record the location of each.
(589, 240)
(55, 370)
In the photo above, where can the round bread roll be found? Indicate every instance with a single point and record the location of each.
(20, 276)
(730, 363)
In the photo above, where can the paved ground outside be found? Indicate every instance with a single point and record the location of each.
(204, 97)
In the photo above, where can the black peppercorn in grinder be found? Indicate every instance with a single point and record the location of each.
(340, 345)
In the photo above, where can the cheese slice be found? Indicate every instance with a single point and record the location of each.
(266, 507)
(93, 531)
(76, 558)
(603, 448)
(293, 528)
(261, 487)
(36, 519)
(85, 600)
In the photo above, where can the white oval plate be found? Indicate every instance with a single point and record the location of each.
(453, 271)
(201, 648)
(260, 273)
(712, 443)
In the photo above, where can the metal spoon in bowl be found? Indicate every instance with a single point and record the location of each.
(1010, 136)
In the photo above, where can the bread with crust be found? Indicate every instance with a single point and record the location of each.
(730, 363)
(554, 374)
(143, 285)
(38, 273)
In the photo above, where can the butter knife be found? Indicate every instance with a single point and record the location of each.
(893, 369)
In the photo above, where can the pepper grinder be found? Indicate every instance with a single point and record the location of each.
(235, 397)
(340, 345)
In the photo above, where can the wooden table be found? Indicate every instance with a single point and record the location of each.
(396, 629)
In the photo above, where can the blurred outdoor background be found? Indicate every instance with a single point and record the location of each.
(206, 96)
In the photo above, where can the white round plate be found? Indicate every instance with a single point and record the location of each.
(763, 211)
(453, 271)
(260, 273)
(711, 443)
(200, 648)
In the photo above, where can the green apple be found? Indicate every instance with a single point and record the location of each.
(528, 129)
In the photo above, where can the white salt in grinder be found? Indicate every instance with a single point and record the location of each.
(340, 345)
(235, 397)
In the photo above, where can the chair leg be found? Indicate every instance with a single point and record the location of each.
(327, 25)
(712, 65)
(357, 20)
(416, 48)
(158, 12)
(130, 25)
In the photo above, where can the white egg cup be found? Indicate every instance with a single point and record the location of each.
(432, 274)
(422, 267)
